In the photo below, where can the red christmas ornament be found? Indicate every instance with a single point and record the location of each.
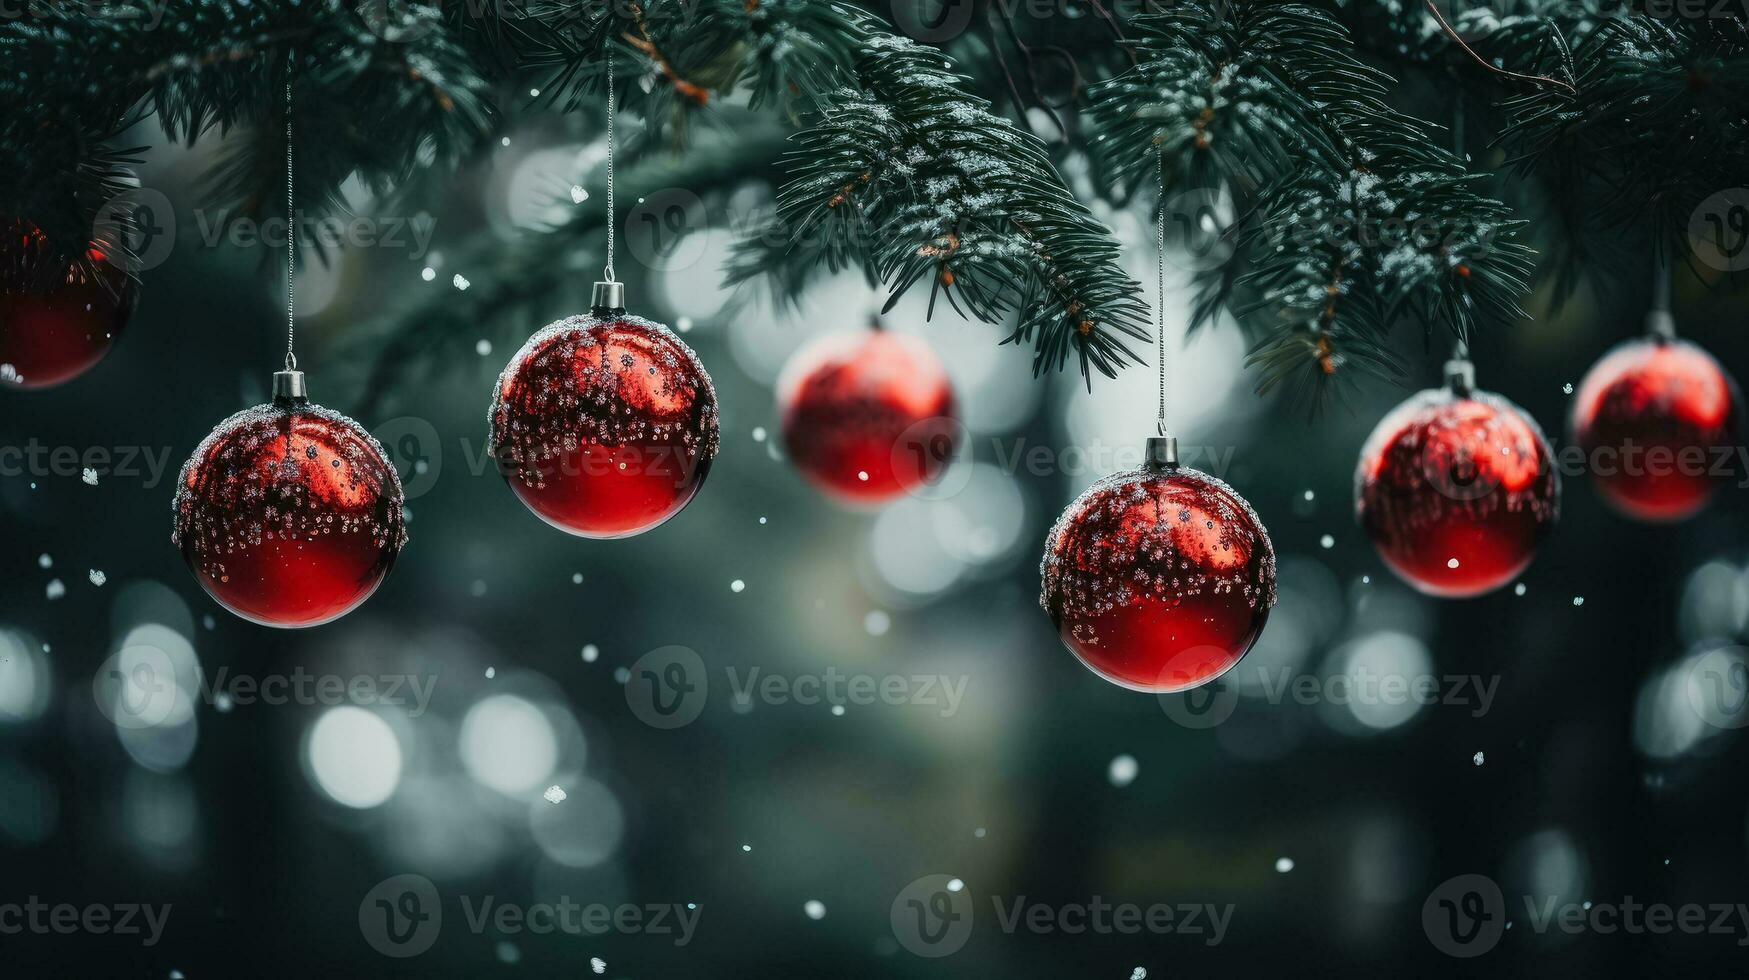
(604, 425)
(1159, 579)
(868, 416)
(1652, 416)
(289, 514)
(53, 332)
(1456, 488)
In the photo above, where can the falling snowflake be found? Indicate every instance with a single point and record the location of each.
(491, 672)
(553, 795)
(737, 586)
(1122, 771)
(590, 652)
(97, 577)
(1478, 758)
(597, 964)
(1141, 972)
(44, 561)
(55, 589)
(815, 909)
(89, 476)
(1283, 865)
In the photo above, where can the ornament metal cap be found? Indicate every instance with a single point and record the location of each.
(1661, 325)
(288, 386)
(1163, 452)
(609, 296)
(1460, 376)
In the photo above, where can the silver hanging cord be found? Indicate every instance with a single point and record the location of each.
(291, 360)
(1160, 295)
(1660, 322)
(612, 215)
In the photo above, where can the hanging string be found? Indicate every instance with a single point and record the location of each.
(612, 215)
(1460, 348)
(1660, 322)
(1160, 294)
(291, 360)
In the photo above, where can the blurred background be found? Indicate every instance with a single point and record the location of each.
(523, 775)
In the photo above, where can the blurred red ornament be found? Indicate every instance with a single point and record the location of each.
(289, 514)
(604, 425)
(1456, 491)
(1653, 416)
(1159, 579)
(868, 415)
(52, 332)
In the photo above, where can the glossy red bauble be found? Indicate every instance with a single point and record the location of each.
(604, 426)
(1456, 491)
(55, 331)
(289, 514)
(1159, 579)
(868, 416)
(1653, 417)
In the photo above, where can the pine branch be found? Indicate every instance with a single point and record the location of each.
(907, 173)
(1350, 216)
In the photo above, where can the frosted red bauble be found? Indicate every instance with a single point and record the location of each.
(1159, 579)
(1654, 417)
(868, 416)
(52, 332)
(604, 426)
(1456, 491)
(289, 514)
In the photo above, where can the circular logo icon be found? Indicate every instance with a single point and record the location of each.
(415, 451)
(932, 916)
(933, 21)
(1718, 230)
(932, 457)
(666, 230)
(401, 916)
(1196, 237)
(400, 21)
(1201, 707)
(1717, 685)
(1465, 916)
(136, 687)
(1456, 473)
(139, 225)
(667, 687)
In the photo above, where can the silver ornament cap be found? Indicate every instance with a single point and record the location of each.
(1163, 452)
(289, 386)
(610, 296)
